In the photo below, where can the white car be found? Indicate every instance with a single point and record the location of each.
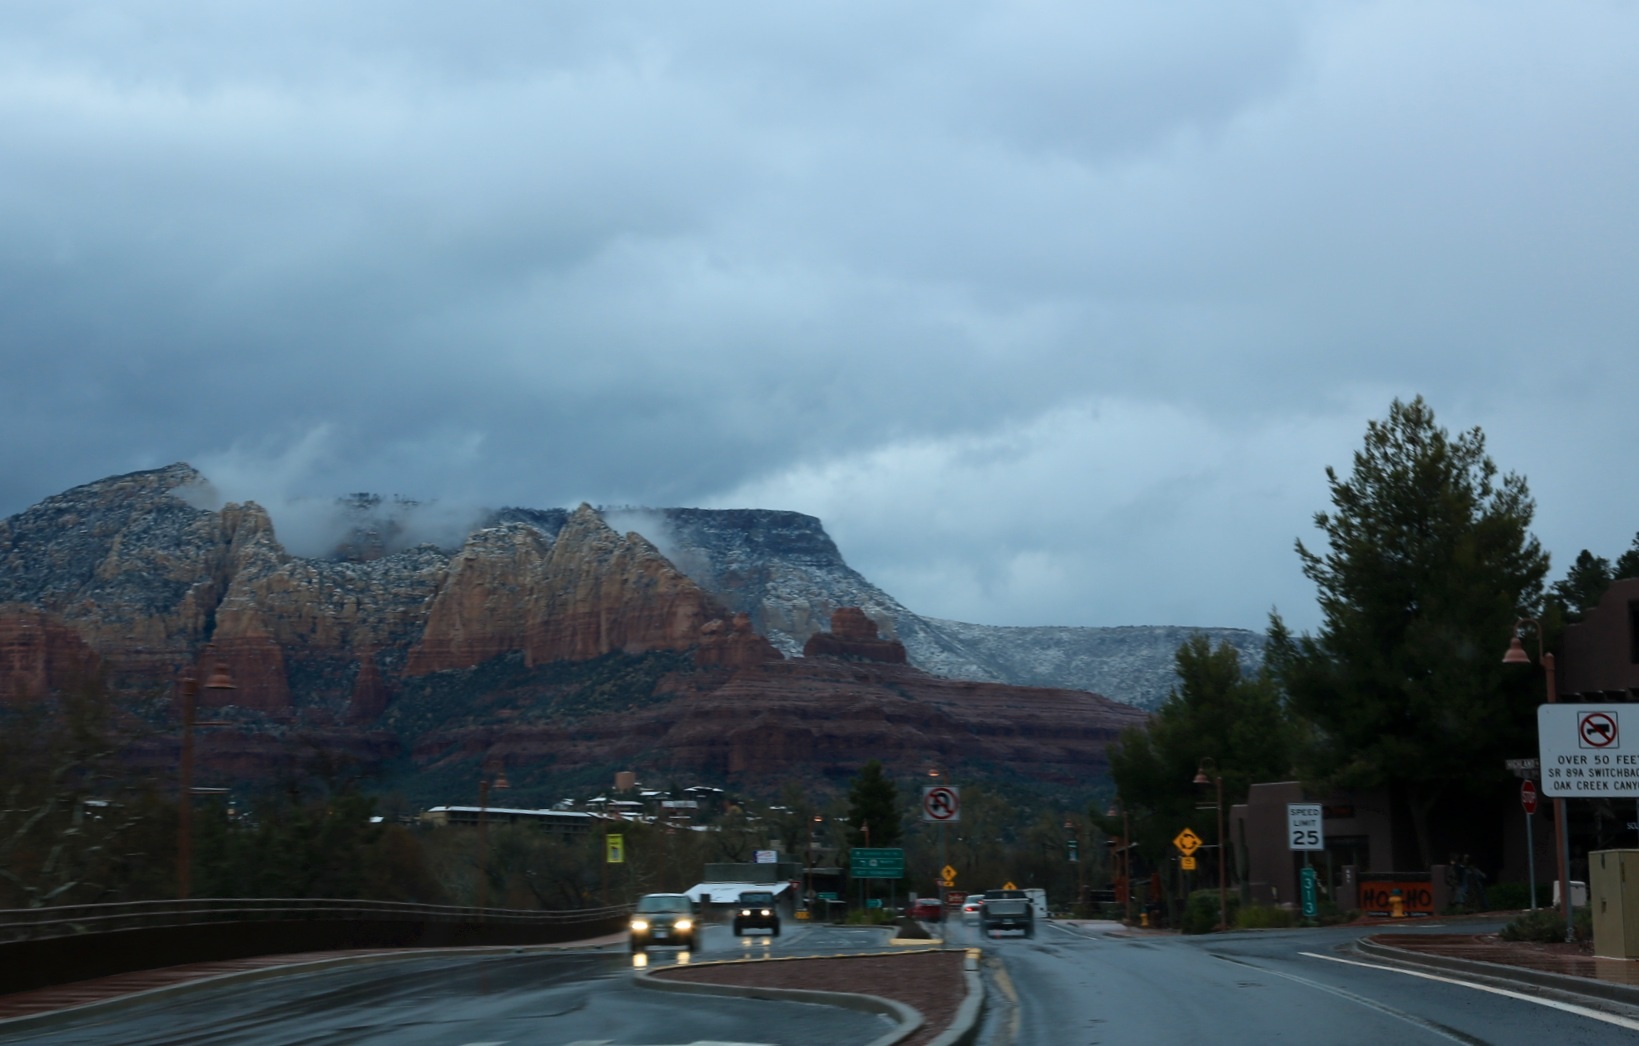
(972, 906)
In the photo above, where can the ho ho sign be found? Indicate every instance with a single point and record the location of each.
(1584, 752)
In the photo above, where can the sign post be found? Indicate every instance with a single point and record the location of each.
(1528, 800)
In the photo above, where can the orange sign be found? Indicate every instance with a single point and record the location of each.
(1187, 842)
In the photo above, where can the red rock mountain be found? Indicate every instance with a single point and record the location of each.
(549, 642)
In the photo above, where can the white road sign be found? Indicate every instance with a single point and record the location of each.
(942, 804)
(1304, 830)
(1585, 753)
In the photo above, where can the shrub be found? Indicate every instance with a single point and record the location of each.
(1201, 911)
(1547, 925)
(1508, 897)
(1265, 917)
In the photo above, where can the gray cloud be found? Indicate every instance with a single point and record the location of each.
(1054, 313)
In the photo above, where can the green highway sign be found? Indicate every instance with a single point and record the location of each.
(878, 863)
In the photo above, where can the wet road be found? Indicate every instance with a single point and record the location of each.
(1077, 985)
(467, 1000)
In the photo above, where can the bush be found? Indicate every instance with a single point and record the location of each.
(1547, 925)
(1201, 911)
(1507, 897)
(1265, 917)
(871, 917)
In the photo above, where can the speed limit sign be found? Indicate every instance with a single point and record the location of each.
(1303, 827)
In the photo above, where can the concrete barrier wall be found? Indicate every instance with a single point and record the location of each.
(60, 960)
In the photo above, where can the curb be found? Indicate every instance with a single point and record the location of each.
(964, 1027)
(1561, 982)
(909, 1019)
(117, 1002)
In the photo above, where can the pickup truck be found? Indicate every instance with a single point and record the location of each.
(1007, 910)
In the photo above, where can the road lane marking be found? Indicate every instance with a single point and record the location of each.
(1005, 983)
(1432, 1027)
(1554, 1004)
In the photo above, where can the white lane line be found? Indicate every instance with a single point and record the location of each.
(1554, 1004)
(1432, 1027)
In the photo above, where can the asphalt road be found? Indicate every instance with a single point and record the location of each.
(1078, 985)
(468, 1000)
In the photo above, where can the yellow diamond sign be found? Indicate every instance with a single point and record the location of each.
(1187, 842)
(950, 875)
(1009, 885)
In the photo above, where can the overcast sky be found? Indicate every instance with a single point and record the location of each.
(1055, 313)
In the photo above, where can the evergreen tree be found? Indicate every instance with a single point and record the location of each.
(873, 800)
(1429, 562)
(1214, 712)
(1627, 564)
(1583, 584)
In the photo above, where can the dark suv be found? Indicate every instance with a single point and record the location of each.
(756, 912)
(664, 918)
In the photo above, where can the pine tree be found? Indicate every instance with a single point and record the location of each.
(873, 800)
(1429, 562)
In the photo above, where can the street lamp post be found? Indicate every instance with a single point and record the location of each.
(1126, 857)
(1562, 839)
(1073, 830)
(1215, 778)
(219, 680)
(484, 785)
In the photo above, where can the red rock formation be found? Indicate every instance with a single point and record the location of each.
(853, 637)
(39, 654)
(815, 720)
(590, 592)
(733, 644)
(370, 693)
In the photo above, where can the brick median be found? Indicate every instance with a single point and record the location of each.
(931, 982)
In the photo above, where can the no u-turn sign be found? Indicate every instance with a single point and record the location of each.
(941, 804)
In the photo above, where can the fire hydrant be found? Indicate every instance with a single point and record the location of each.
(1397, 905)
(1144, 919)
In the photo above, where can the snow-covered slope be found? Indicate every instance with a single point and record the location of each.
(784, 570)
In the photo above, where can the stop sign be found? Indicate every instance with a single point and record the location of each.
(1528, 796)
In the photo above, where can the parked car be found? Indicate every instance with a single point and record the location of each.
(973, 907)
(928, 909)
(664, 918)
(756, 912)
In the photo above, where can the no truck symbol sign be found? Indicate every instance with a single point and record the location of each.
(1596, 729)
(941, 803)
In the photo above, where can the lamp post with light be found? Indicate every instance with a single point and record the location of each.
(484, 784)
(219, 680)
(1202, 777)
(1073, 831)
(1562, 841)
(1118, 807)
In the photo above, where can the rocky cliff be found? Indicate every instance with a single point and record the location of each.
(784, 572)
(548, 638)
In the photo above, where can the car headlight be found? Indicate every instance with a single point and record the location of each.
(639, 925)
(767, 912)
(683, 924)
(745, 911)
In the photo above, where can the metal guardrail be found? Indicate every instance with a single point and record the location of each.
(23, 924)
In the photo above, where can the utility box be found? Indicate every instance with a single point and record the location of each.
(1613, 880)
